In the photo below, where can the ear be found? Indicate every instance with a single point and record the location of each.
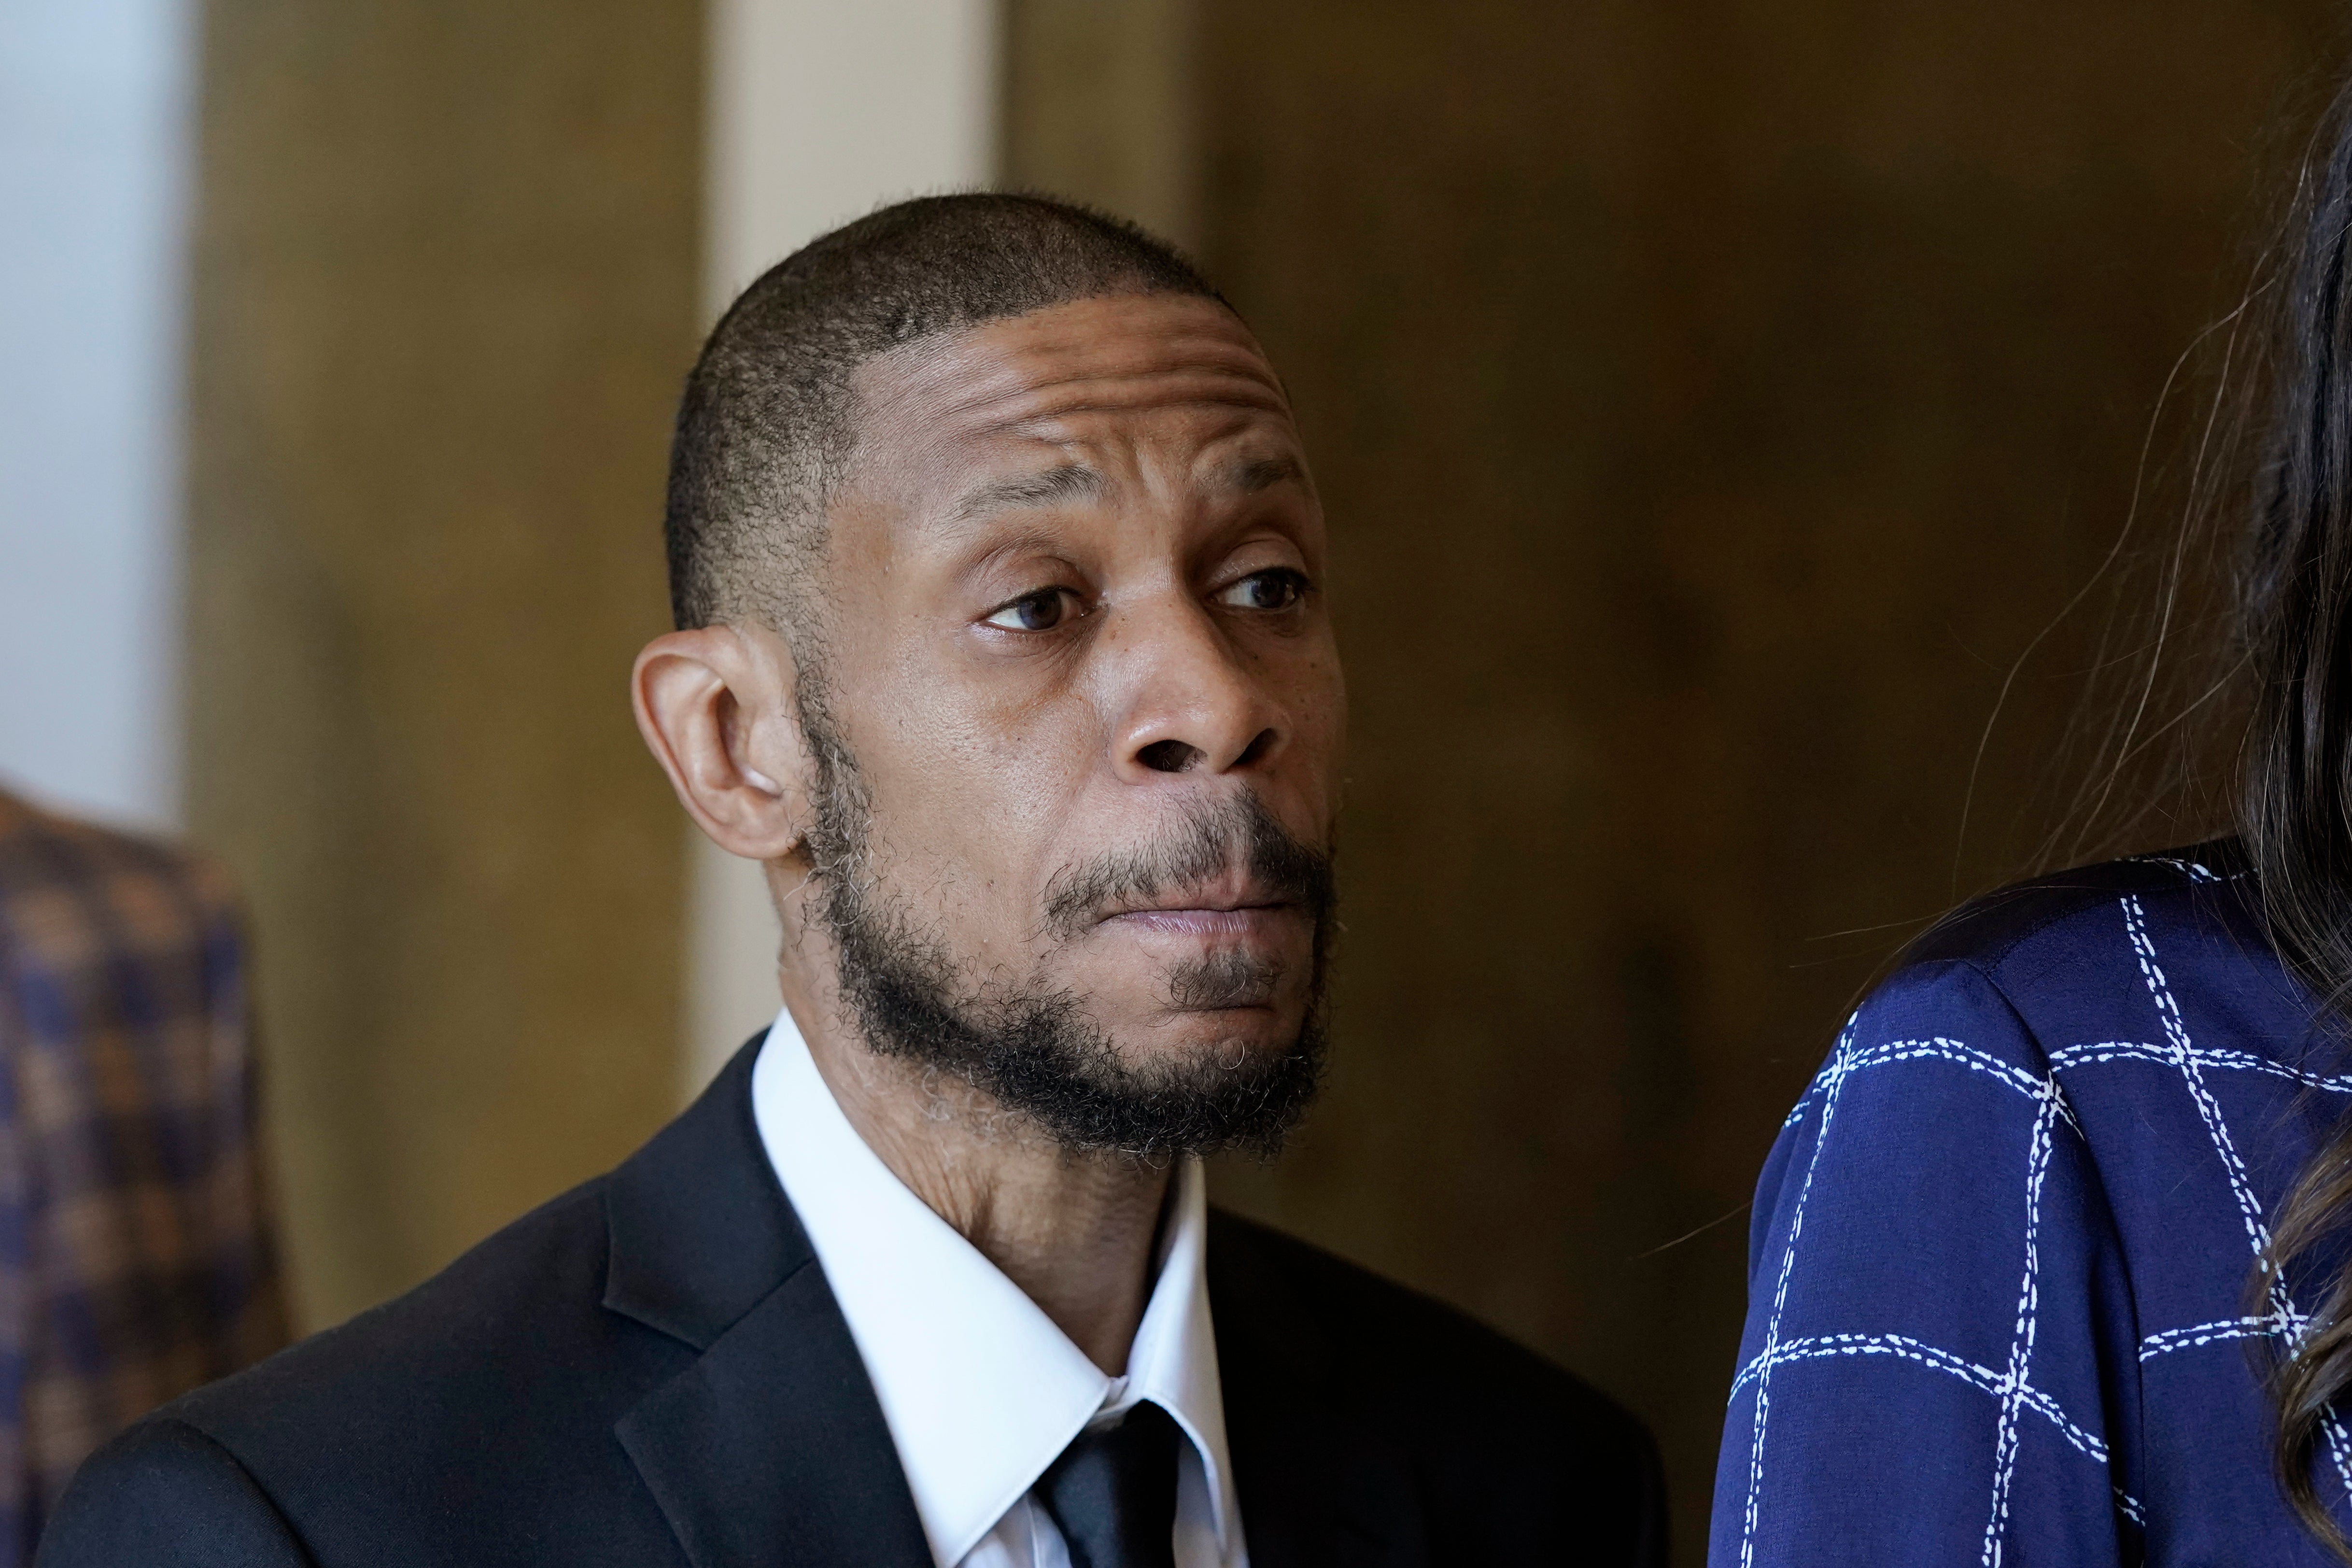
(715, 705)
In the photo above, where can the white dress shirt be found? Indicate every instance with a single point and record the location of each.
(981, 1390)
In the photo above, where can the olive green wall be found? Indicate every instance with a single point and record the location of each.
(1101, 103)
(1711, 402)
(445, 287)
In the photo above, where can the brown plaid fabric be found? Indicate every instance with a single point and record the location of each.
(135, 1260)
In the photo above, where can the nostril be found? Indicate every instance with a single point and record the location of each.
(1168, 756)
(1256, 750)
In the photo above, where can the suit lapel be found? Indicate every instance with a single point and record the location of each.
(771, 1450)
(1319, 1488)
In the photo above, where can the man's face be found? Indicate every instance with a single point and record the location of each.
(1079, 668)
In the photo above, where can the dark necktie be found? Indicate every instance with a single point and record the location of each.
(1113, 1493)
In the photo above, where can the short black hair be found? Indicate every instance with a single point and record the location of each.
(765, 425)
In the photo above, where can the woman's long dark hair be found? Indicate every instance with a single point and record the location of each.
(2244, 652)
(2293, 636)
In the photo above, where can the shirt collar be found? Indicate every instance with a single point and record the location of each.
(981, 1389)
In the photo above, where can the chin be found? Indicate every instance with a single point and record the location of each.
(1226, 1033)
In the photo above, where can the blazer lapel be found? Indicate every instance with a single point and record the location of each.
(771, 1450)
(1318, 1486)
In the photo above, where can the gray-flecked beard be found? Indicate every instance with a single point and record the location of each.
(1030, 1048)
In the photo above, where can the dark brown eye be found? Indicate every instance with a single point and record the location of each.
(1038, 612)
(1277, 589)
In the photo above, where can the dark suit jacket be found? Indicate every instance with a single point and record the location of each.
(652, 1371)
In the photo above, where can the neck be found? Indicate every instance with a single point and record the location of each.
(1075, 1232)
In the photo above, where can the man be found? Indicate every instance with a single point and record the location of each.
(1003, 646)
(135, 1252)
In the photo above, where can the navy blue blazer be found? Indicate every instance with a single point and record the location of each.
(1998, 1299)
(651, 1369)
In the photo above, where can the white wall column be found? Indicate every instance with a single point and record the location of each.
(819, 110)
(94, 162)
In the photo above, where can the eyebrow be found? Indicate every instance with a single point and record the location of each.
(1067, 482)
(1253, 474)
(1048, 487)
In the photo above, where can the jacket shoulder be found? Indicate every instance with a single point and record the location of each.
(482, 1399)
(2209, 882)
(513, 1298)
(1379, 1328)
(42, 853)
(164, 1493)
(1501, 1436)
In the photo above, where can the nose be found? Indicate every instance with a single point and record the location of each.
(1189, 701)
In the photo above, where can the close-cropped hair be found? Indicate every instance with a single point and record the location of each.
(766, 424)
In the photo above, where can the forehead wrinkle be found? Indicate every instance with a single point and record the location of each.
(1052, 425)
(932, 365)
(1022, 409)
(1239, 365)
(1029, 411)
(1098, 351)
(928, 390)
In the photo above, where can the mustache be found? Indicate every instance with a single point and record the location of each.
(1238, 834)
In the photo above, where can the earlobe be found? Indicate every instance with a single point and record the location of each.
(712, 705)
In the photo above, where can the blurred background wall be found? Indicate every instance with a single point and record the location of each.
(443, 280)
(1712, 402)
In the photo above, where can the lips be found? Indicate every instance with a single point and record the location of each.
(1232, 910)
(1237, 924)
(1218, 867)
(1238, 901)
